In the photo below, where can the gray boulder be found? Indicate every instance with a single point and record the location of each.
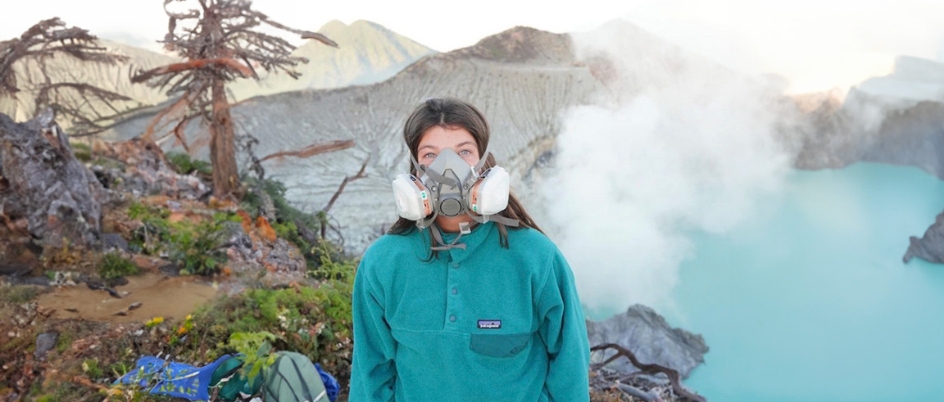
(930, 247)
(46, 194)
(644, 332)
(44, 343)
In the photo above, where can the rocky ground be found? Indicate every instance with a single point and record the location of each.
(79, 303)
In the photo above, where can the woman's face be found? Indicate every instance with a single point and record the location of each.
(438, 138)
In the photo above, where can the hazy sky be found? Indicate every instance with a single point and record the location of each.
(817, 44)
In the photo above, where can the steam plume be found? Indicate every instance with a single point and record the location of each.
(678, 146)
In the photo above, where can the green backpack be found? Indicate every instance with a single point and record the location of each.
(293, 378)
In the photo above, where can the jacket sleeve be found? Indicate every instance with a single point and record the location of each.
(564, 332)
(373, 372)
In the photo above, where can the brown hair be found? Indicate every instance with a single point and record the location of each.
(452, 113)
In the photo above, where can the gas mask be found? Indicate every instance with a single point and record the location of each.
(450, 187)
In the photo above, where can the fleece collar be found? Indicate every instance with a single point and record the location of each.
(472, 241)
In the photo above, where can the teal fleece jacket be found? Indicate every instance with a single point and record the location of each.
(484, 323)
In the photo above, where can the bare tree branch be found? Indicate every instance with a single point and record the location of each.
(80, 102)
(312, 150)
(673, 375)
(360, 175)
(177, 107)
(192, 65)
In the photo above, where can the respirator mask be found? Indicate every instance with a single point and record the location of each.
(450, 187)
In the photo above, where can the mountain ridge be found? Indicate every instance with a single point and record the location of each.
(367, 53)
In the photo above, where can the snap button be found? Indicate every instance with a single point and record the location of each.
(452, 318)
(454, 290)
(455, 265)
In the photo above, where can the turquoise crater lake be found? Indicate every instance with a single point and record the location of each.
(810, 300)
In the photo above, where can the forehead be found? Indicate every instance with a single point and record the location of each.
(445, 137)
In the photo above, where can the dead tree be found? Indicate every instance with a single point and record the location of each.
(89, 109)
(219, 44)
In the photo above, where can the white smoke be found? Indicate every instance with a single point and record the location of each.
(679, 146)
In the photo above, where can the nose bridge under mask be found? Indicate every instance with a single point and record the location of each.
(450, 160)
(448, 178)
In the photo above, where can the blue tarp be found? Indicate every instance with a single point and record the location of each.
(172, 378)
(330, 383)
(193, 383)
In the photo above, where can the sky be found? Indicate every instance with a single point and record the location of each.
(816, 45)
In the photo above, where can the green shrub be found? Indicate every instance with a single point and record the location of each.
(256, 349)
(154, 231)
(18, 294)
(81, 151)
(65, 341)
(115, 266)
(195, 247)
(183, 164)
(118, 369)
(91, 369)
(332, 263)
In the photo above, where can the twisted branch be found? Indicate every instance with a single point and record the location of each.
(673, 375)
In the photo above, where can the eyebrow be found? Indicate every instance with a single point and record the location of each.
(460, 145)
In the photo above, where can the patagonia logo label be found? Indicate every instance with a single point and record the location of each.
(489, 324)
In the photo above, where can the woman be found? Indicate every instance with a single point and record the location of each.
(453, 304)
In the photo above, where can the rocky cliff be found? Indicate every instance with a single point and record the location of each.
(896, 119)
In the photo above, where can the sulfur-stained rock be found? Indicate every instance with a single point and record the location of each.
(265, 229)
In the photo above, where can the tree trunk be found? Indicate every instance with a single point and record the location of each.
(222, 146)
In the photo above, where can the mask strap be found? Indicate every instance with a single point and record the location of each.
(495, 218)
(433, 174)
(441, 179)
(427, 222)
(478, 166)
(437, 237)
(419, 168)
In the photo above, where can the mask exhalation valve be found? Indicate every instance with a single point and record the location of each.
(450, 207)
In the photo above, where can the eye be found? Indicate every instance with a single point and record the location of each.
(429, 155)
(465, 152)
